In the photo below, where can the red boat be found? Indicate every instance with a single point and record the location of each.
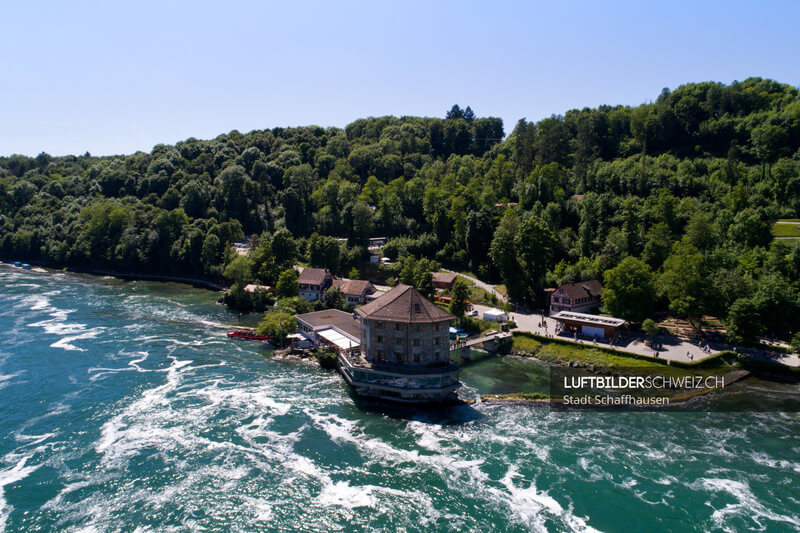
(245, 333)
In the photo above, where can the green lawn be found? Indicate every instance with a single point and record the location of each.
(786, 230)
(566, 352)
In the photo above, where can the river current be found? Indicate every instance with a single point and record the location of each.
(125, 408)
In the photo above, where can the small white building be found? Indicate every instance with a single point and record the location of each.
(331, 326)
(495, 315)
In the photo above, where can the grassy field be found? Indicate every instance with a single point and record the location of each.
(565, 352)
(785, 230)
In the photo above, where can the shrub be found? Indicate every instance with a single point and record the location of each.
(327, 359)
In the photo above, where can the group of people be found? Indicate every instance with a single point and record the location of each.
(459, 343)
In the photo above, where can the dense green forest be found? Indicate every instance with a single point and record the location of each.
(669, 203)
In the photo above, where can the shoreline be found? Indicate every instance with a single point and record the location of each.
(130, 276)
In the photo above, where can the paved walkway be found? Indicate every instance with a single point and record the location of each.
(483, 285)
(672, 348)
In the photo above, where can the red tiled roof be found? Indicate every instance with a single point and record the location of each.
(403, 304)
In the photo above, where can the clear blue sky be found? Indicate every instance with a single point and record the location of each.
(112, 78)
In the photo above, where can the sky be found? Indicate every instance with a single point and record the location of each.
(119, 77)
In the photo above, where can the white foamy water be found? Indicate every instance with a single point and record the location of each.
(161, 424)
(8, 476)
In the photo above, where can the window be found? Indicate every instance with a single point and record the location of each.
(379, 324)
(416, 328)
(416, 308)
(416, 358)
(397, 326)
(436, 327)
(398, 340)
(416, 342)
(436, 355)
(437, 340)
(379, 339)
(398, 356)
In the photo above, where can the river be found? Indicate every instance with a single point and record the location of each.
(125, 408)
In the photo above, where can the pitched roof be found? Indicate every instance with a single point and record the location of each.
(444, 277)
(354, 287)
(403, 304)
(582, 289)
(312, 276)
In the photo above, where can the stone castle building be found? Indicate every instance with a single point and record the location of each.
(405, 350)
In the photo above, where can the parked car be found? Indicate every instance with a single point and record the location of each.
(472, 312)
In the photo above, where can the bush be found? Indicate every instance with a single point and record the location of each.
(649, 327)
(327, 359)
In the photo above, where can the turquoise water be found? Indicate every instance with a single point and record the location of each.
(125, 408)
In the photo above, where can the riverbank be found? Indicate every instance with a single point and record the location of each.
(131, 276)
(560, 352)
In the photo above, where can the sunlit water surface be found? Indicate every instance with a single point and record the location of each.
(125, 407)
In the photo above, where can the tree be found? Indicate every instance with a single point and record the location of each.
(629, 290)
(334, 299)
(685, 283)
(240, 270)
(769, 141)
(699, 230)
(459, 298)
(284, 248)
(455, 112)
(743, 321)
(425, 284)
(210, 254)
(354, 273)
(503, 254)
(323, 251)
(536, 245)
(288, 286)
(649, 327)
(277, 325)
(796, 342)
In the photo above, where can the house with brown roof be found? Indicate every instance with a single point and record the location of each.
(355, 291)
(405, 350)
(580, 297)
(444, 280)
(313, 282)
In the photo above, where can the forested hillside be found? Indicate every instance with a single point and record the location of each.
(675, 198)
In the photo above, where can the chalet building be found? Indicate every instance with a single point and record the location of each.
(355, 291)
(444, 280)
(581, 297)
(314, 282)
(405, 350)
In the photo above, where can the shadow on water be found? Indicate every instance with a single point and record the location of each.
(452, 414)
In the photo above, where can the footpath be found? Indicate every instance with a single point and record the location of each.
(671, 347)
